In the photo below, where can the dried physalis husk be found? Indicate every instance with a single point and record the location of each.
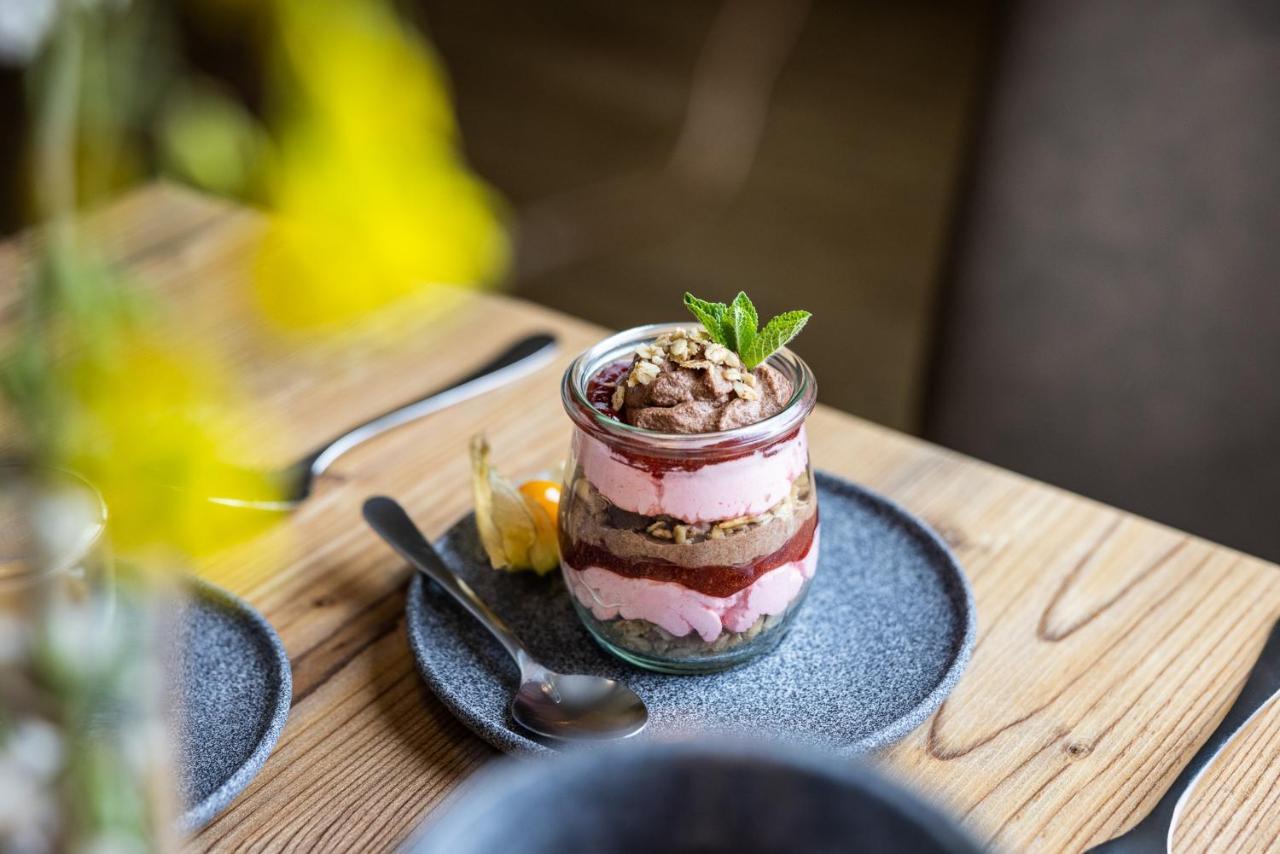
(516, 532)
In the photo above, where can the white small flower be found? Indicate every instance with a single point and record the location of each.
(24, 27)
(36, 746)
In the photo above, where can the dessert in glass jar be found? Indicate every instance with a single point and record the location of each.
(689, 519)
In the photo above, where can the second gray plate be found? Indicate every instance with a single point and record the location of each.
(883, 637)
(234, 695)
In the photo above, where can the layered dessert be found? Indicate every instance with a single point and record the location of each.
(689, 522)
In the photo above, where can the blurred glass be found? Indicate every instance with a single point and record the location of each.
(51, 526)
(82, 742)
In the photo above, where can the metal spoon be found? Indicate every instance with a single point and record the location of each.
(555, 705)
(294, 481)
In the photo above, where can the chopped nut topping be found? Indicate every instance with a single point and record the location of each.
(661, 371)
(660, 530)
(644, 373)
(666, 339)
(717, 354)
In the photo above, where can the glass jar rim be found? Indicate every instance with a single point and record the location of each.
(573, 394)
(52, 480)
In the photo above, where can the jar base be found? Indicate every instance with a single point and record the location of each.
(713, 663)
(763, 639)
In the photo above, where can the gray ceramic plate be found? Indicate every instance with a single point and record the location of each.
(882, 639)
(234, 695)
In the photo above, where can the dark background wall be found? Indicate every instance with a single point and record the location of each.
(1112, 321)
(574, 109)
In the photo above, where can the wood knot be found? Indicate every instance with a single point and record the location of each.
(1077, 749)
(324, 602)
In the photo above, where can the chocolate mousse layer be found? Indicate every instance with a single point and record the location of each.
(642, 539)
(684, 383)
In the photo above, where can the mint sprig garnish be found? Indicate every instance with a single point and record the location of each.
(742, 324)
(736, 326)
(709, 313)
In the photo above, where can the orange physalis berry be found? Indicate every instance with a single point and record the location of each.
(544, 493)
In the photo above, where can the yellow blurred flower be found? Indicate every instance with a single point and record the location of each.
(370, 200)
(154, 425)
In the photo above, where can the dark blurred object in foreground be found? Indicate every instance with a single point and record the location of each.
(688, 798)
(1113, 324)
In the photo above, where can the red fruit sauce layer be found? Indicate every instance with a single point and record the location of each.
(719, 581)
(600, 394)
(602, 383)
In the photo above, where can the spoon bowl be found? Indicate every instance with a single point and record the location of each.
(576, 707)
(550, 704)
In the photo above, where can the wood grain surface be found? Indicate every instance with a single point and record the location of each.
(1235, 802)
(1109, 646)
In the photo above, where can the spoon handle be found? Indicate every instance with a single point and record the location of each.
(387, 517)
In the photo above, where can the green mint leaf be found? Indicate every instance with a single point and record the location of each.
(776, 333)
(709, 314)
(742, 322)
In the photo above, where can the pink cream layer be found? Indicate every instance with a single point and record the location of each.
(739, 487)
(679, 610)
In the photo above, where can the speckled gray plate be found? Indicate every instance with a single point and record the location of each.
(234, 695)
(882, 639)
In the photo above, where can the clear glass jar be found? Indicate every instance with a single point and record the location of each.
(686, 553)
(83, 744)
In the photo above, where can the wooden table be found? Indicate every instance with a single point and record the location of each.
(1109, 646)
